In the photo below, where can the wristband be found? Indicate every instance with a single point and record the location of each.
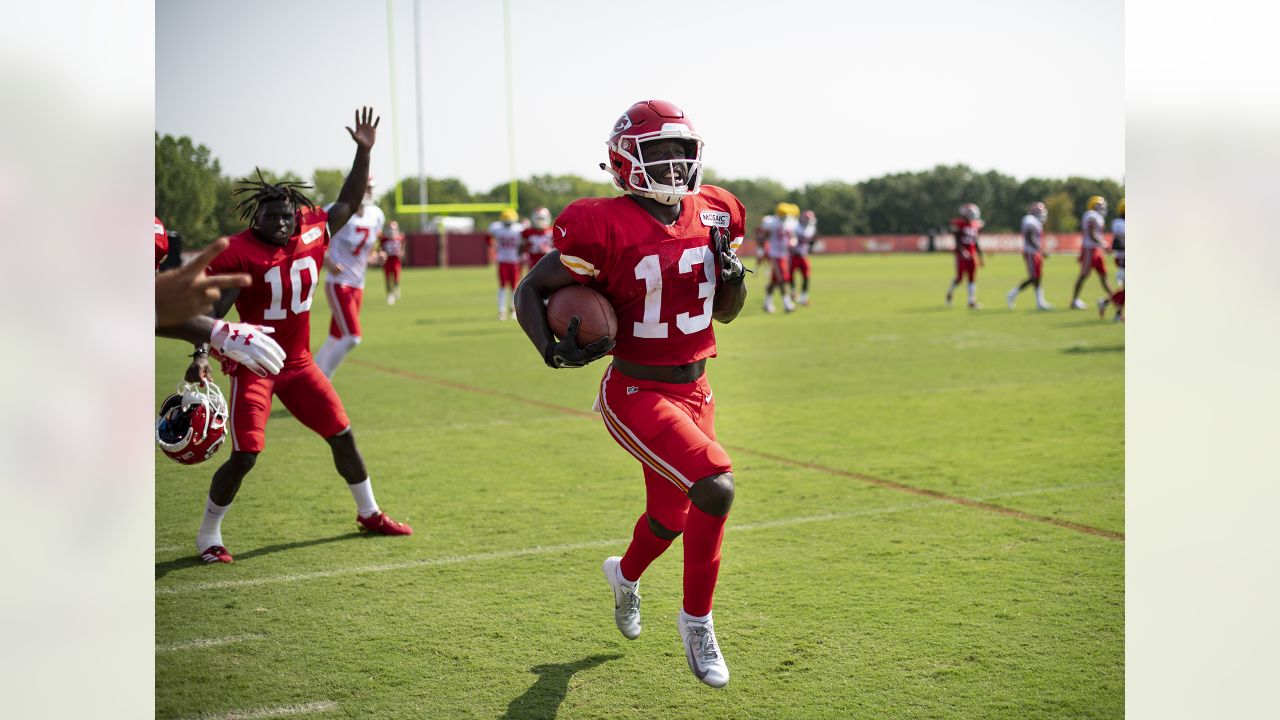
(200, 350)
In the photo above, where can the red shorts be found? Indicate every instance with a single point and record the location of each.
(800, 264)
(781, 272)
(508, 274)
(534, 258)
(303, 389)
(669, 428)
(965, 266)
(1035, 264)
(1093, 260)
(344, 304)
(392, 268)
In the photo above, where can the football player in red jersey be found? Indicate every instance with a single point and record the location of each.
(283, 250)
(663, 255)
(968, 252)
(537, 236)
(392, 248)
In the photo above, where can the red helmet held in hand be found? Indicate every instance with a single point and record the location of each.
(192, 422)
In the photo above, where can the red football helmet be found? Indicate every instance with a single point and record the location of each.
(970, 211)
(192, 422)
(1038, 211)
(643, 122)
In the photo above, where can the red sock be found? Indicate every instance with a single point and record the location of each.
(702, 536)
(645, 547)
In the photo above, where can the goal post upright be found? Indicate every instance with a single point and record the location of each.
(425, 208)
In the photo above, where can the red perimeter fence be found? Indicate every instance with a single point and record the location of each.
(423, 250)
(471, 249)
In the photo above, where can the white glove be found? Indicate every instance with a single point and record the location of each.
(248, 345)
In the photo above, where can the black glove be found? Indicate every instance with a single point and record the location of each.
(732, 270)
(566, 353)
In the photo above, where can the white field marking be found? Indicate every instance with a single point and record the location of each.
(569, 547)
(207, 642)
(269, 712)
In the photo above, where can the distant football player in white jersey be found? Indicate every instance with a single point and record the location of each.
(1092, 226)
(346, 263)
(777, 234)
(506, 236)
(806, 235)
(1032, 253)
(1117, 251)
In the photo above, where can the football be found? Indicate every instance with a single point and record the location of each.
(596, 315)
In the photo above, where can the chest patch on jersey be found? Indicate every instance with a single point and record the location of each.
(311, 235)
(711, 218)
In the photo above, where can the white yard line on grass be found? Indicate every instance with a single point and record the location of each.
(207, 642)
(569, 547)
(269, 712)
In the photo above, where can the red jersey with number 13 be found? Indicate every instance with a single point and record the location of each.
(660, 279)
(284, 281)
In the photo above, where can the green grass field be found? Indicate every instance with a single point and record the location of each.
(929, 520)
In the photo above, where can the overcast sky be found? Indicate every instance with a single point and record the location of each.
(800, 91)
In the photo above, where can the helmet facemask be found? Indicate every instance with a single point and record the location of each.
(686, 173)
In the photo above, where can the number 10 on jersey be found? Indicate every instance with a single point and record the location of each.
(297, 303)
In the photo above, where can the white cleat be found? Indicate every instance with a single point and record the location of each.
(768, 307)
(1078, 304)
(391, 299)
(702, 651)
(788, 305)
(804, 299)
(948, 300)
(502, 314)
(626, 599)
(1043, 306)
(1011, 297)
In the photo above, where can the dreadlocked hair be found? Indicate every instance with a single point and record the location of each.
(260, 191)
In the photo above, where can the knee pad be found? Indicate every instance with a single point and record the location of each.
(713, 495)
(659, 530)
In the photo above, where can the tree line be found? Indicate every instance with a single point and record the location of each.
(195, 198)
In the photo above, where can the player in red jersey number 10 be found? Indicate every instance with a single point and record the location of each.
(663, 256)
(282, 250)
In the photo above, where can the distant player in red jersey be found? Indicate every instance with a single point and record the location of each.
(805, 237)
(393, 250)
(1092, 245)
(663, 255)
(283, 250)
(968, 252)
(506, 236)
(1032, 254)
(537, 237)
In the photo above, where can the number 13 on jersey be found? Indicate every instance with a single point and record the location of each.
(649, 269)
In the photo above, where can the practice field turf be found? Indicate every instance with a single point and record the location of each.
(928, 524)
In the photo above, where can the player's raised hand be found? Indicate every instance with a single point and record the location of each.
(186, 292)
(249, 345)
(366, 130)
(567, 353)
